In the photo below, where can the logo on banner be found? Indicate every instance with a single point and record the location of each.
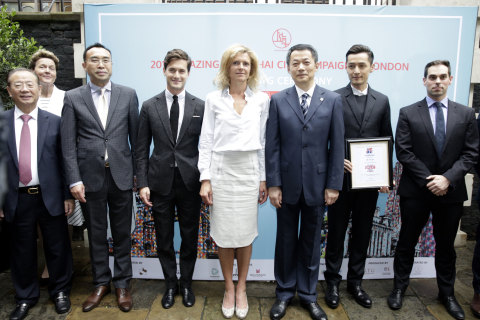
(214, 272)
(369, 150)
(258, 274)
(281, 38)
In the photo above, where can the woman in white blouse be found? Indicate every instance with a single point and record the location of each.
(232, 167)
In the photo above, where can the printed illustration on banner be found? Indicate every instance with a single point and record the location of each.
(281, 38)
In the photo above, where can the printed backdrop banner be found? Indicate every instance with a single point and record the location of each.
(403, 39)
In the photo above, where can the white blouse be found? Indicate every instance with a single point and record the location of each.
(223, 129)
(54, 104)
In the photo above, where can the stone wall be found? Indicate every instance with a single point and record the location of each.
(58, 37)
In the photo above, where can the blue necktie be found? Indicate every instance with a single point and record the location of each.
(304, 104)
(439, 128)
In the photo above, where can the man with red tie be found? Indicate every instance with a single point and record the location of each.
(36, 194)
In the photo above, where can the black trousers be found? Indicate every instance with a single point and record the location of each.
(297, 254)
(360, 205)
(188, 211)
(56, 243)
(445, 219)
(118, 205)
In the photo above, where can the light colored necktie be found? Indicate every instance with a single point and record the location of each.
(102, 109)
(25, 152)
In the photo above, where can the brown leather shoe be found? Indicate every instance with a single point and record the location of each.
(94, 299)
(124, 299)
(475, 305)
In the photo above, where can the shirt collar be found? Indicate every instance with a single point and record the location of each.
(95, 88)
(248, 92)
(430, 102)
(300, 92)
(169, 95)
(357, 92)
(18, 113)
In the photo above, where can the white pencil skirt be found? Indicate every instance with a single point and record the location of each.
(235, 180)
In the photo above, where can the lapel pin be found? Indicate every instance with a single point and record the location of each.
(321, 99)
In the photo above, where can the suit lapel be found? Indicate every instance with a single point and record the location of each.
(87, 98)
(12, 145)
(451, 121)
(292, 99)
(427, 121)
(187, 115)
(113, 103)
(369, 106)
(316, 101)
(42, 128)
(352, 104)
(161, 107)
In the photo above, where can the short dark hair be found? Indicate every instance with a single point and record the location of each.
(176, 54)
(95, 45)
(13, 71)
(445, 63)
(300, 47)
(360, 48)
(42, 53)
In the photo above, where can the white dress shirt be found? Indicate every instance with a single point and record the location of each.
(33, 126)
(54, 104)
(300, 92)
(432, 109)
(223, 129)
(357, 92)
(181, 106)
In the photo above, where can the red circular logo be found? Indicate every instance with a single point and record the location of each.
(281, 38)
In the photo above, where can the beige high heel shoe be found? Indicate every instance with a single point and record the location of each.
(227, 312)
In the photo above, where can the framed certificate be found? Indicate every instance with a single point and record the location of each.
(371, 160)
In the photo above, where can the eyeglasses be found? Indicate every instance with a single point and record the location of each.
(18, 85)
(98, 60)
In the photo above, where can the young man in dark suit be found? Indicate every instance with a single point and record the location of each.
(37, 195)
(366, 114)
(99, 131)
(437, 143)
(169, 178)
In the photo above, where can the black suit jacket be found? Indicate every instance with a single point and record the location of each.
(415, 147)
(50, 171)
(157, 171)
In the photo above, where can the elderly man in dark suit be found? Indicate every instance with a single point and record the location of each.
(366, 113)
(304, 155)
(37, 195)
(99, 130)
(437, 144)
(169, 178)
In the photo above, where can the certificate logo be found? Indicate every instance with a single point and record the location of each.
(281, 38)
(369, 150)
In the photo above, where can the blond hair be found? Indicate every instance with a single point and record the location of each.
(222, 80)
(42, 53)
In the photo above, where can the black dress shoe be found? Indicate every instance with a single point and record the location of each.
(20, 312)
(279, 309)
(316, 312)
(62, 303)
(168, 299)
(332, 298)
(453, 307)
(360, 296)
(188, 298)
(395, 299)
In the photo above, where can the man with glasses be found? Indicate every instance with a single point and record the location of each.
(37, 195)
(437, 143)
(99, 128)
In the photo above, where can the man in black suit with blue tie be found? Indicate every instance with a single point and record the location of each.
(437, 143)
(366, 113)
(37, 195)
(169, 178)
(304, 155)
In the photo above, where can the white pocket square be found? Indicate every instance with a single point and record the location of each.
(196, 116)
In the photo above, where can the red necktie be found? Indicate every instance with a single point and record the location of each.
(24, 156)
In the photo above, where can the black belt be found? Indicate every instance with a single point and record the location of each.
(30, 189)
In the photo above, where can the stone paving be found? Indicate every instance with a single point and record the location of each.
(420, 300)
